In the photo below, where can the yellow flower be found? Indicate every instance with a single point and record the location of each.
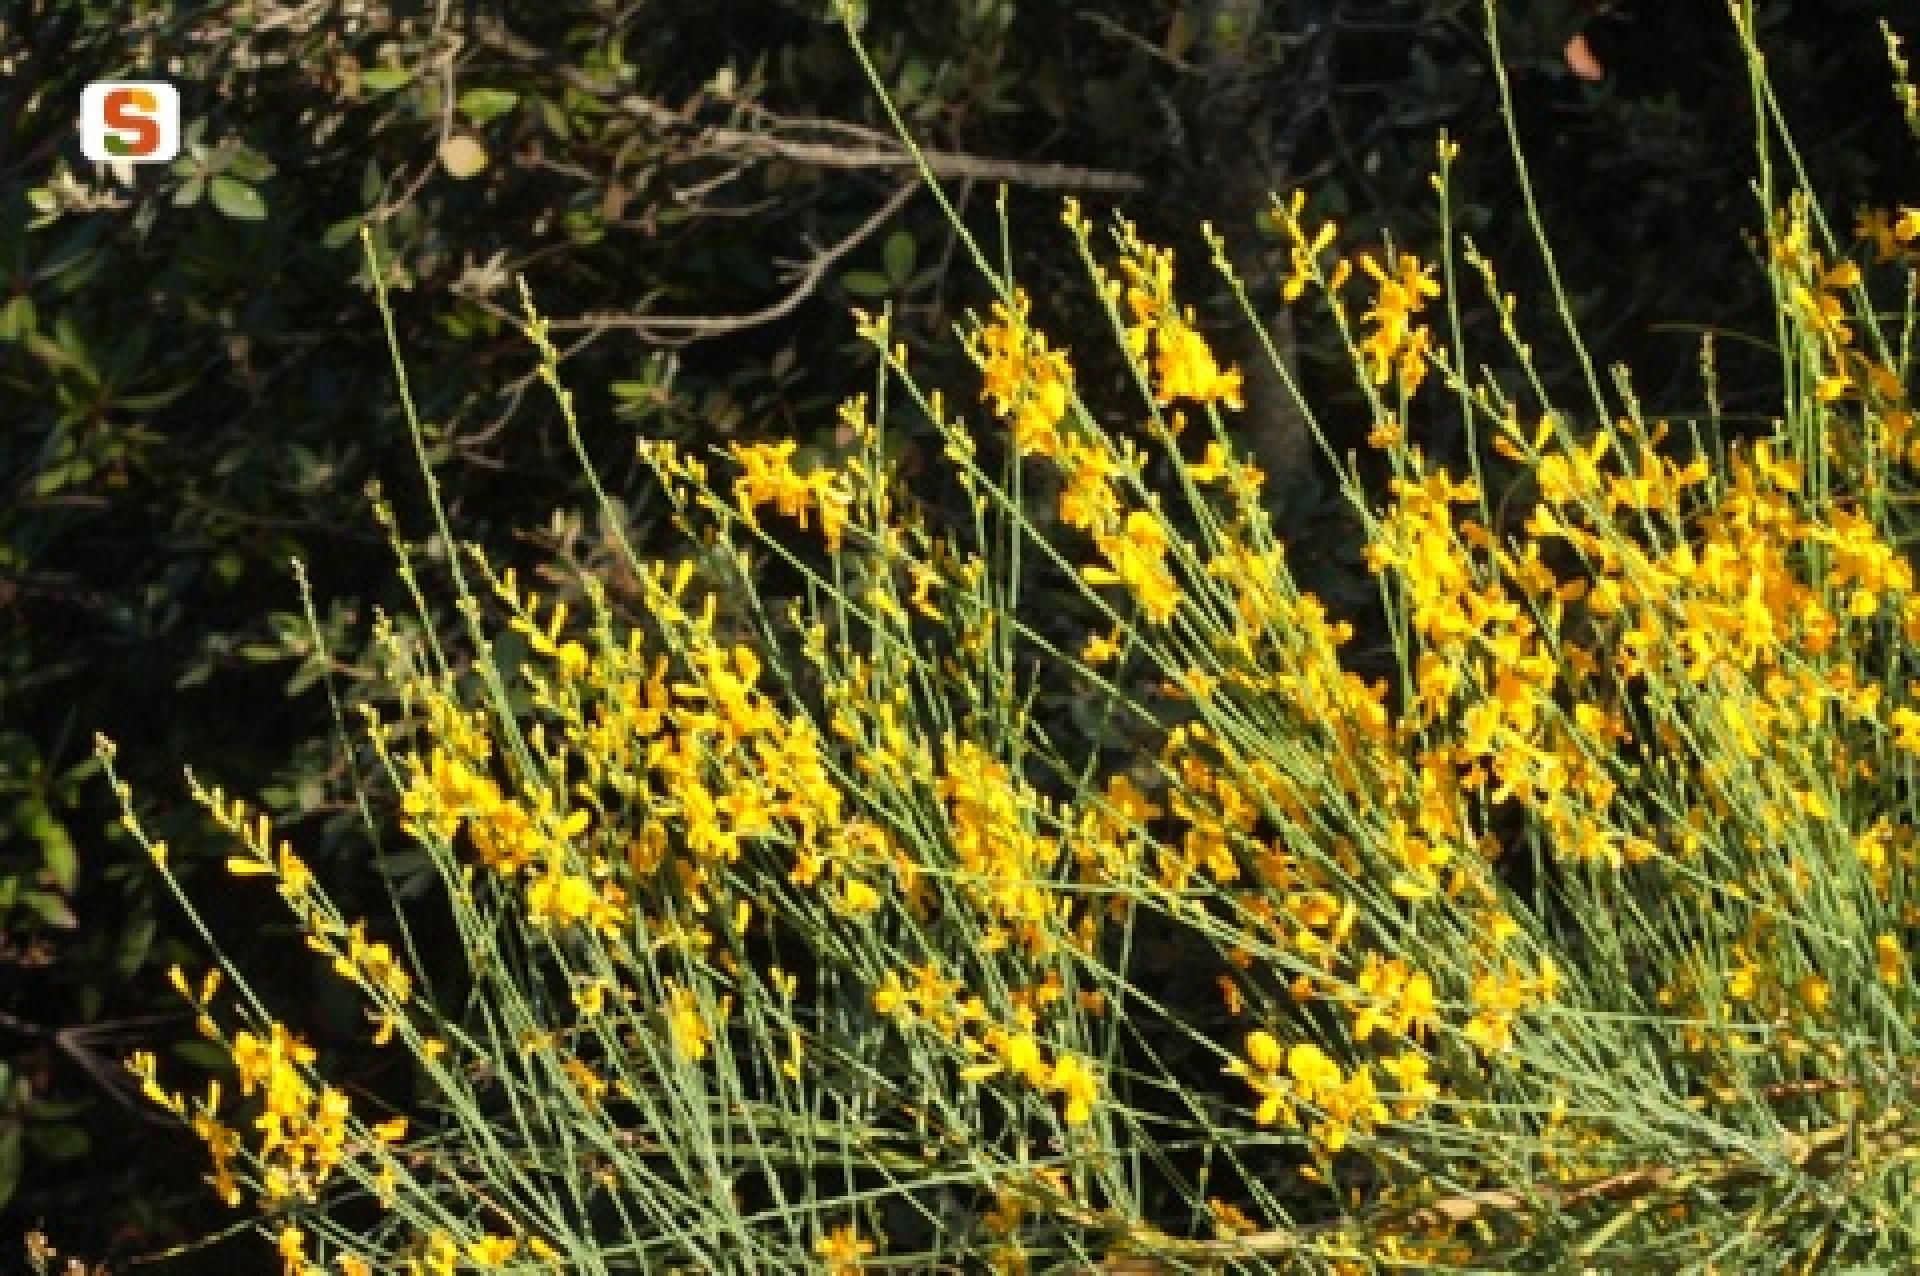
(768, 478)
(1138, 561)
(1306, 252)
(1261, 1069)
(373, 964)
(1876, 227)
(1398, 999)
(292, 1248)
(1892, 963)
(1077, 1086)
(1186, 369)
(1409, 1071)
(1029, 384)
(892, 997)
(1022, 1054)
(1100, 649)
(1395, 338)
(1312, 1070)
(1087, 498)
(843, 1248)
(1263, 1051)
(688, 1026)
(492, 1251)
(861, 898)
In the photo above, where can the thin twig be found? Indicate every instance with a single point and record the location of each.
(864, 148)
(680, 329)
(1118, 32)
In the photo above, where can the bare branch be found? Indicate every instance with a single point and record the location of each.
(682, 329)
(866, 149)
(1118, 32)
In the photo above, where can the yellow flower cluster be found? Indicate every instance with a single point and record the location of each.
(1019, 1052)
(1630, 672)
(1818, 294)
(1306, 249)
(1006, 866)
(1184, 366)
(1395, 341)
(1137, 558)
(842, 1249)
(1029, 384)
(513, 837)
(302, 1128)
(768, 478)
(1344, 1103)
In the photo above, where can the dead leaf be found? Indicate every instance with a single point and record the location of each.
(462, 156)
(1581, 62)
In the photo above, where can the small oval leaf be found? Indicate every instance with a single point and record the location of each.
(236, 199)
(481, 105)
(865, 283)
(384, 79)
(899, 255)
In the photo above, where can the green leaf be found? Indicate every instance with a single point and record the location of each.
(305, 676)
(59, 1142)
(236, 199)
(865, 283)
(912, 85)
(250, 165)
(342, 232)
(59, 861)
(17, 318)
(12, 1158)
(482, 105)
(50, 909)
(154, 399)
(385, 79)
(899, 255)
(201, 1054)
(190, 192)
(136, 941)
(57, 1109)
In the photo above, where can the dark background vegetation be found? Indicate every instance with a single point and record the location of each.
(194, 385)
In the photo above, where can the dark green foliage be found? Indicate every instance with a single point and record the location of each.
(195, 387)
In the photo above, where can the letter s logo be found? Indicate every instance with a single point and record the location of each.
(130, 121)
(131, 111)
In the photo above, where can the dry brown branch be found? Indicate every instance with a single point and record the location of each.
(1822, 1152)
(1114, 30)
(817, 143)
(680, 329)
(861, 148)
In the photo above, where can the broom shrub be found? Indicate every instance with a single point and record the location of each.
(1044, 881)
